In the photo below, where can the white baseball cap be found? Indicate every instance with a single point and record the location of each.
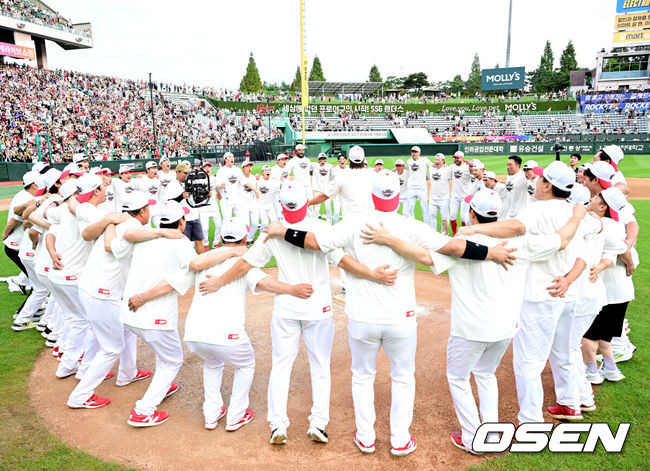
(322, 155)
(476, 163)
(87, 184)
(604, 172)
(71, 169)
(490, 174)
(530, 164)
(281, 156)
(615, 153)
(439, 154)
(38, 166)
(266, 167)
(233, 230)
(379, 161)
(100, 171)
(124, 168)
(385, 191)
(485, 203)
(246, 163)
(415, 149)
(459, 153)
(46, 180)
(579, 194)
(616, 201)
(559, 174)
(164, 158)
(136, 200)
(151, 164)
(68, 189)
(228, 154)
(171, 211)
(356, 154)
(80, 157)
(30, 177)
(294, 202)
(399, 162)
(300, 147)
(585, 166)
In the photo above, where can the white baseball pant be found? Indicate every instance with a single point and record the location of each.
(434, 207)
(285, 337)
(413, 195)
(251, 215)
(580, 325)
(242, 358)
(205, 217)
(36, 298)
(399, 342)
(454, 205)
(53, 311)
(231, 208)
(169, 358)
(328, 207)
(402, 204)
(267, 215)
(311, 209)
(482, 359)
(544, 333)
(277, 205)
(336, 203)
(464, 212)
(114, 340)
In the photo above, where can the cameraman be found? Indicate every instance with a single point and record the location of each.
(176, 192)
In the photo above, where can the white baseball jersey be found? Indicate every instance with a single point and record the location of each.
(354, 189)
(439, 179)
(461, 180)
(367, 301)
(213, 202)
(618, 286)
(148, 186)
(104, 276)
(108, 204)
(300, 168)
(298, 266)
(26, 249)
(530, 188)
(247, 194)
(42, 259)
(544, 218)
(321, 176)
(155, 261)
(268, 189)
(231, 177)
(164, 178)
(417, 170)
(20, 198)
(618, 178)
(403, 182)
(517, 187)
(280, 173)
(122, 189)
(223, 326)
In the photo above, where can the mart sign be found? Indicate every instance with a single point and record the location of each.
(503, 79)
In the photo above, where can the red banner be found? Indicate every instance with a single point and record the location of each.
(19, 52)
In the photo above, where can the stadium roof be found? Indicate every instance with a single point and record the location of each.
(333, 88)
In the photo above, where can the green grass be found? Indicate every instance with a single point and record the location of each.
(26, 444)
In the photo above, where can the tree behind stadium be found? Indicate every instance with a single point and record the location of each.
(374, 75)
(316, 74)
(251, 81)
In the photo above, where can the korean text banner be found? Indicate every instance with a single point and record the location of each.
(503, 79)
(19, 52)
(631, 6)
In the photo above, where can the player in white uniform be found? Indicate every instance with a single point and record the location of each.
(439, 178)
(517, 187)
(416, 185)
(321, 178)
(334, 172)
(211, 211)
(279, 173)
(109, 201)
(461, 186)
(613, 155)
(149, 184)
(159, 270)
(165, 176)
(123, 185)
(220, 337)
(483, 319)
(531, 178)
(301, 168)
(491, 183)
(228, 180)
(403, 179)
(294, 318)
(249, 197)
(268, 188)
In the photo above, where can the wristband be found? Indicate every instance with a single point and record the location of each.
(474, 251)
(295, 237)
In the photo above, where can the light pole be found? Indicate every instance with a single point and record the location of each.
(153, 117)
(508, 42)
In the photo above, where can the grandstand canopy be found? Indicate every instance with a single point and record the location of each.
(334, 88)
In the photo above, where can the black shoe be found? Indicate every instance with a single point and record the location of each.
(24, 326)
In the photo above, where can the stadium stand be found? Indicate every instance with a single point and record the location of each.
(36, 12)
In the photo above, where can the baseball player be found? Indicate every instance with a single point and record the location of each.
(294, 318)
(491, 183)
(613, 155)
(301, 168)
(483, 320)
(517, 187)
(165, 176)
(334, 172)
(81, 160)
(123, 185)
(379, 165)
(416, 185)
(228, 180)
(461, 186)
(149, 184)
(531, 178)
(268, 187)
(220, 337)
(149, 309)
(279, 173)
(439, 178)
(109, 201)
(249, 196)
(403, 178)
(211, 211)
(176, 191)
(574, 162)
(321, 179)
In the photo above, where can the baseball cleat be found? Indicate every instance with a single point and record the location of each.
(364, 448)
(141, 374)
(109, 375)
(157, 418)
(41, 326)
(317, 434)
(612, 375)
(23, 326)
(172, 389)
(49, 343)
(93, 402)
(594, 378)
(278, 436)
(590, 408)
(46, 333)
(55, 352)
(248, 416)
(65, 374)
(213, 425)
(564, 413)
(406, 449)
(457, 440)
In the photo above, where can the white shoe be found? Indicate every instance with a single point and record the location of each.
(595, 378)
(317, 434)
(278, 436)
(613, 375)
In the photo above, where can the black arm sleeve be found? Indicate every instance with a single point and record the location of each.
(474, 251)
(295, 237)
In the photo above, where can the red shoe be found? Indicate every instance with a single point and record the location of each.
(157, 418)
(93, 402)
(564, 413)
(55, 351)
(362, 447)
(406, 449)
(172, 389)
(248, 416)
(109, 375)
(141, 374)
(206, 247)
(213, 425)
(457, 439)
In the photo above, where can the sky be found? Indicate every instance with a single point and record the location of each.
(208, 42)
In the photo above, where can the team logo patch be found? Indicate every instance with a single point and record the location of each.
(104, 291)
(458, 174)
(128, 189)
(303, 165)
(387, 193)
(46, 269)
(71, 278)
(153, 189)
(110, 196)
(402, 181)
(531, 190)
(291, 206)
(247, 190)
(164, 183)
(327, 308)
(436, 176)
(410, 313)
(323, 171)
(13, 244)
(29, 254)
(233, 336)
(509, 186)
(160, 321)
(415, 167)
(264, 190)
(232, 179)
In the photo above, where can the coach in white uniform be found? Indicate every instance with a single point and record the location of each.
(416, 186)
(439, 178)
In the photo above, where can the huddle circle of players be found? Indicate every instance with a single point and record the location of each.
(544, 259)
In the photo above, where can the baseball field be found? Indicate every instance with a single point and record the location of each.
(41, 433)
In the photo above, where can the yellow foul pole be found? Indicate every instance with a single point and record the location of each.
(303, 69)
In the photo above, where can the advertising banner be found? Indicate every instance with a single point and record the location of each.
(503, 79)
(17, 51)
(631, 6)
(329, 135)
(628, 22)
(632, 37)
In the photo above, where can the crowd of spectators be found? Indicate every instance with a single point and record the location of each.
(108, 118)
(33, 13)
